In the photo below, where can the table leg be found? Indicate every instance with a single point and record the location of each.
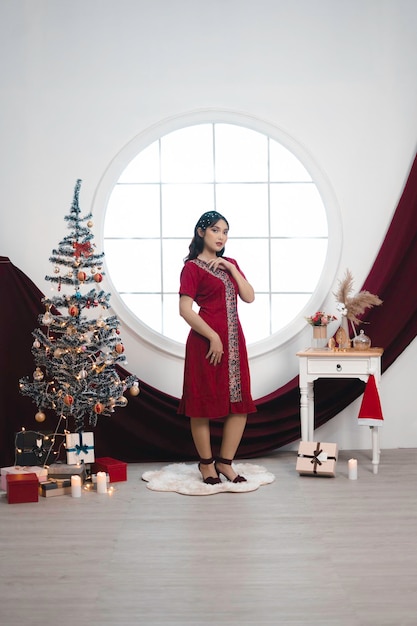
(375, 448)
(304, 412)
(310, 398)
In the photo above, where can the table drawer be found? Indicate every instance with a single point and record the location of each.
(341, 366)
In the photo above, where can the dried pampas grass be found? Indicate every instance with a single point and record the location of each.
(357, 304)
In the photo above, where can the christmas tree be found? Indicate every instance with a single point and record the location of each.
(75, 352)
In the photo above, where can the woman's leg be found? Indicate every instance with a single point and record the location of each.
(200, 431)
(233, 429)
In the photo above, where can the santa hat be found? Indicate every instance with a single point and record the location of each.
(370, 413)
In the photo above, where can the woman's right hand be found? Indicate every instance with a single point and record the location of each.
(215, 353)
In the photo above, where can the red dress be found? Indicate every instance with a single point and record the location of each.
(215, 391)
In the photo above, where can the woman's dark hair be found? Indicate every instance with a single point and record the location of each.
(197, 243)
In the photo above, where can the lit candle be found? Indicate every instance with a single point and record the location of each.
(76, 486)
(353, 469)
(101, 482)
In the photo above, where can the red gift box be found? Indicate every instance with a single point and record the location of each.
(117, 470)
(22, 488)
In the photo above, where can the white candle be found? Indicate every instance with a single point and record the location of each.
(76, 486)
(353, 469)
(101, 482)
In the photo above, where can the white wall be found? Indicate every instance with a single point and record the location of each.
(81, 78)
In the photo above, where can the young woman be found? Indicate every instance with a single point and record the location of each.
(216, 372)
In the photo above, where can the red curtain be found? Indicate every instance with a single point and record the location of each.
(149, 429)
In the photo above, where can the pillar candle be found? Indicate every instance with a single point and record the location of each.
(76, 486)
(101, 482)
(353, 469)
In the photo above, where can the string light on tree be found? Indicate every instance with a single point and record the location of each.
(76, 354)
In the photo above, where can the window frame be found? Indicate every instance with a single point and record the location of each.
(151, 134)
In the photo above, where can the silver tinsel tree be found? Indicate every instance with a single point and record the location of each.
(75, 350)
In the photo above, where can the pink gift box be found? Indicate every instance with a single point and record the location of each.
(41, 472)
(317, 458)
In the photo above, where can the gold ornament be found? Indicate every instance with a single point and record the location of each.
(40, 416)
(122, 401)
(134, 390)
(90, 223)
(38, 374)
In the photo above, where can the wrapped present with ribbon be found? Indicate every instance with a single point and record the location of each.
(33, 448)
(317, 458)
(63, 470)
(55, 487)
(80, 448)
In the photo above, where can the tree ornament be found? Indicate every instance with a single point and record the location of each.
(90, 223)
(122, 401)
(81, 276)
(134, 390)
(98, 277)
(83, 373)
(68, 400)
(56, 269)
(58, 353)
(119, 348)
(36, 344)
(38, 374)
(99, 408)
(40, 416)
(47, 319)
(73, 310)
(112, 401)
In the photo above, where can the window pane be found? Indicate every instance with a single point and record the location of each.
(173, 253)
(255, 318)
(297, 264)
(174, 326)
(245, 207)
(144, 168)
(297, 211)
(252, 256)
(241, 155)
(285, 167)
(134, 265)
(187, 155)
(133, 210)
(182, 205)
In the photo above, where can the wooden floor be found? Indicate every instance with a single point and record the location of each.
(303, 550)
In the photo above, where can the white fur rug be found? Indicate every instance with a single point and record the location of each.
(186, 479)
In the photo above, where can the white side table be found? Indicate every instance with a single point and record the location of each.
(325, 363)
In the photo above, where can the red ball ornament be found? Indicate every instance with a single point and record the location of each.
(73, 310)
(98, 408)
(81, 276)
(98, 277)
(119, 348)
(68, 400)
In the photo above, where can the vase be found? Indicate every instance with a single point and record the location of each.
(345, 326)
(319, 337)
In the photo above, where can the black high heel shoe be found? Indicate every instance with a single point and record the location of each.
(236, 479)
(210, 480)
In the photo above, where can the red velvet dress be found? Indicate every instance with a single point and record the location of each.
(215, 391)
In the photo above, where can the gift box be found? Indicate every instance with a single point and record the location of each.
(317, 458)
(55, 487)
(33, 448)
(41, 472)
(117, 470)
(63, 470)
(80, 447)
(22, 488)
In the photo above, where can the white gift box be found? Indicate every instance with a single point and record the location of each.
(80, 448)
(41, 472)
